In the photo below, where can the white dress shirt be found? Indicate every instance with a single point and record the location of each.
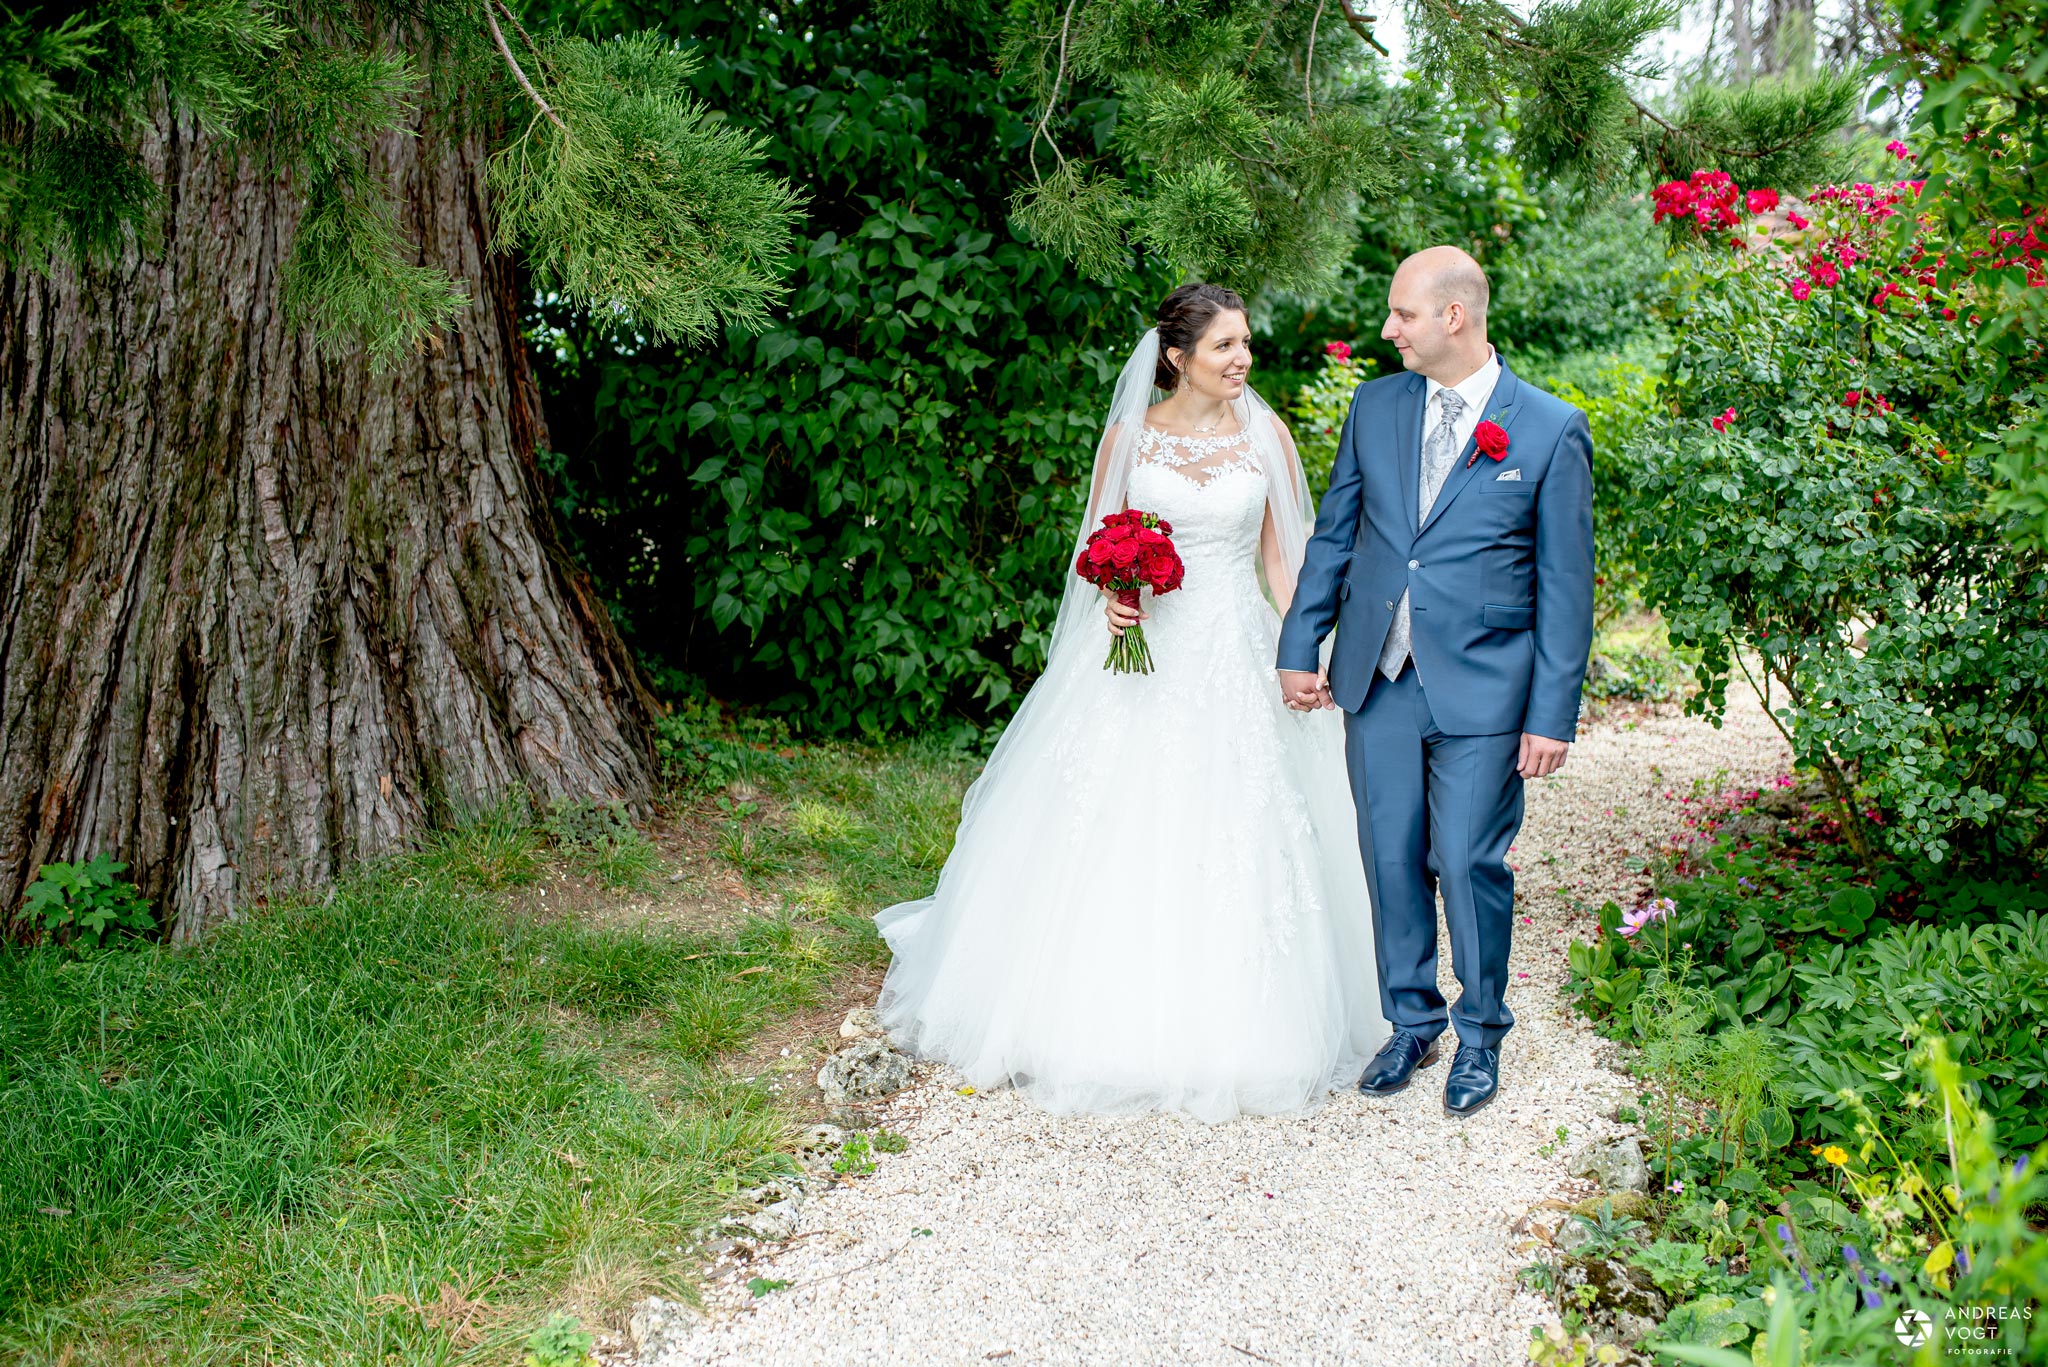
(1475, 389)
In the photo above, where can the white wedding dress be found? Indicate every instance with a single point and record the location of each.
(1156, 900)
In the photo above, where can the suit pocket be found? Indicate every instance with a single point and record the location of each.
(1507, 619)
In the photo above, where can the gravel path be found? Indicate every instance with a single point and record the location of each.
(1369, 1232)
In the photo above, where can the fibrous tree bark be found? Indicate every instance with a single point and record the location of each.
(268, 611)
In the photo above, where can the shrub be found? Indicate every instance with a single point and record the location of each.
(1802, 503)
(858, 516)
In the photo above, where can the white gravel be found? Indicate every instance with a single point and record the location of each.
(1370, 1232)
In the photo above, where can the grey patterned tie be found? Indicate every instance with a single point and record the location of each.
(1439, 449)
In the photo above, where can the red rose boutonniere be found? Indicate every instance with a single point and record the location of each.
(1491, 438)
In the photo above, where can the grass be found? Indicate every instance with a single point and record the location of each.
(406, 1123)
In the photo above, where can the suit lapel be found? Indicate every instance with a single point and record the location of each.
(1501, 408)
(1408, 445)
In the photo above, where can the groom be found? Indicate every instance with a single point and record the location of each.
(1461, 571)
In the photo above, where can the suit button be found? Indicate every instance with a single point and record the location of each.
(1415, 564)
(1390, 605)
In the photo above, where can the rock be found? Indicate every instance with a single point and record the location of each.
(1630, 1204)
(861, 1023)
(821, 1139)
(868, 1068)
(659, 1326)
(1572, 1235)
(1616, 1164)
(1621, 1294)
(771, 1224)
(774, 1190)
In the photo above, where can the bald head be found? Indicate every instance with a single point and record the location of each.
(1449, 275)
(1436, 314)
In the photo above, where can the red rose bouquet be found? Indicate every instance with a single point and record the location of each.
(1129, 552)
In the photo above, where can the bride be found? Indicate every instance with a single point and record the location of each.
(1156, 900)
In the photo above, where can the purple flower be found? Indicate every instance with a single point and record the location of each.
(1849, 1253)
(1884, 1279)
(1871, 1300)
(1963, 1259)
(1808, 1280)
(2019, 1168)
(1785, 1235)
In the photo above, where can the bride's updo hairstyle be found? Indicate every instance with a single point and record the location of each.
(1184, 316)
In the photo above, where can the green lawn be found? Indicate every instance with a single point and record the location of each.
(330, 1131)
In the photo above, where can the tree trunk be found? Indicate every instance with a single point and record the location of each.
(269, 612)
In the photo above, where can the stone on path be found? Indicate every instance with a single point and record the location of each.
(868, 1069)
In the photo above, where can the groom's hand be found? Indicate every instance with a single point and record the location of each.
(1301, 689)
(1541, 756)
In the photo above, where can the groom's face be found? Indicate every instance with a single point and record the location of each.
(1416, 321)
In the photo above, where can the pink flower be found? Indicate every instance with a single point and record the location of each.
(1761, 201)
(1898, 149)
(1823, 272)
(1341, 350)
(1633, 921)
(1800, 288)
(1796, 219)
(1848, 255)
(1724, 422)
(1852, 398)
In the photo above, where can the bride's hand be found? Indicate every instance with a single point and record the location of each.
(1120, 616)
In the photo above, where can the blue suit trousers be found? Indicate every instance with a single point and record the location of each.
(1439, 814)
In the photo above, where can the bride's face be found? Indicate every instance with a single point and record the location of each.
(1220, 359)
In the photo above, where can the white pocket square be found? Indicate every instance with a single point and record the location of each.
(1507, 474)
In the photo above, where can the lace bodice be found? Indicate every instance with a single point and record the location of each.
(1213, 491)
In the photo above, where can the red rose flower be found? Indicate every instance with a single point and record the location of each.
(1491, 438)
(1761, 201)
(1341, 350)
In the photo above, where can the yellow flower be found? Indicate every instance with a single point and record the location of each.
(1835, 1154)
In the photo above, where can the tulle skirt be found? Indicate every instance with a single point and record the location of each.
(1156, 899)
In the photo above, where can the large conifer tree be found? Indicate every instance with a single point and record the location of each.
(278, 581)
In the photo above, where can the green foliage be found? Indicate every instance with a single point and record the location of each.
(694, 756)
(863, 513)
(1624, 399)
(1317, 414)
(856, 1156)
(636, 201)
(85, 904)
(1979, 94)
(1773, 131)
(599, 839)
(561, 1342)
(625, 194)
(1849, 546)
(1634, 661)
(1985, 985)
(1248, 159)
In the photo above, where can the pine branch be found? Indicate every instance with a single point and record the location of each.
(498, 35)
(1361, 24)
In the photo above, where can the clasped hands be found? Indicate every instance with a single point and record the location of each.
(1305, 692)
(1540, 756)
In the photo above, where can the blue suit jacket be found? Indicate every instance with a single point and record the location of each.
(1499, 576)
